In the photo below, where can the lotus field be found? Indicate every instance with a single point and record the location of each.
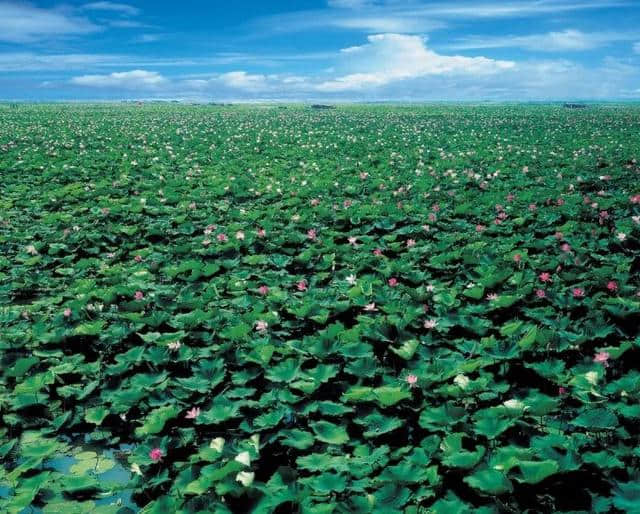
(230, 309)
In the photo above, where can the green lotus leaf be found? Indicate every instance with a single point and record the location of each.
(489, 481)
(329, 433)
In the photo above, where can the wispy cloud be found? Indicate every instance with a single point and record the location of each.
(636, 48)
(416, 17)
(113, 7)
(135, 79)
(35, 62)
(148, 38)
(128, 24)
(25, 23)
(565, 40)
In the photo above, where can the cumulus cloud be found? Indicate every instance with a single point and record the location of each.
(565, 40)
(24, 23)
(390, 58)
(243, 80)
(135, 79)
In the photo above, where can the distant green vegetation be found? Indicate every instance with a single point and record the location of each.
(359, 309)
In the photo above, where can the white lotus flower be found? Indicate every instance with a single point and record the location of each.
(243, 458)
(135, 468)
(245, 478)
(462, 381)
(592, 377)
(217, 444)
(514, 404)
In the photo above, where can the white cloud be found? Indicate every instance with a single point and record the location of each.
(127, 24)
(416, 17)
(636, 48)
(148, 38)
(135, 79)
(28, 61)
(390, 58)
(349, 4)
(565, 40)
(243, 80)
(24, 23)
(113, 7)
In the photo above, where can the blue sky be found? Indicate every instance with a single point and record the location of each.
(335, 50)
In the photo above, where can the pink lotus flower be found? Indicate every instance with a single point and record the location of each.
(263, 290)
(139, 295)
(240, 235)
(578, 292)
(138, 258)
(105, 211)
(559, 236)
(155, 455)
(492, 296)
(480, 228)
(222, 238)
(612, 285)
(312, 234)
(411, 243)
(67, 313)
(363, 175)
(193, 413)
(540, 293)
(602, 358)
(377, 252)
(545, 276)
(510, 197)
(430, 323)
(562, 390)
(517, 257)
(209, 229)
(532, 207)
(435, 207)
(314, 202)
(393, 282)
(560, 201)
(302, 285)
(412, 380)
(370, 307)
(192, 205)
(566, 247)
(261, 232)
(261, 326)
(346, 204)
(353, 241)
(432, 217)
(635, 199)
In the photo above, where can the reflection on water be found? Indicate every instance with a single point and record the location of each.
(109, 467)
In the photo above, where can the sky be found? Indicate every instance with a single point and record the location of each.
(320, 50)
